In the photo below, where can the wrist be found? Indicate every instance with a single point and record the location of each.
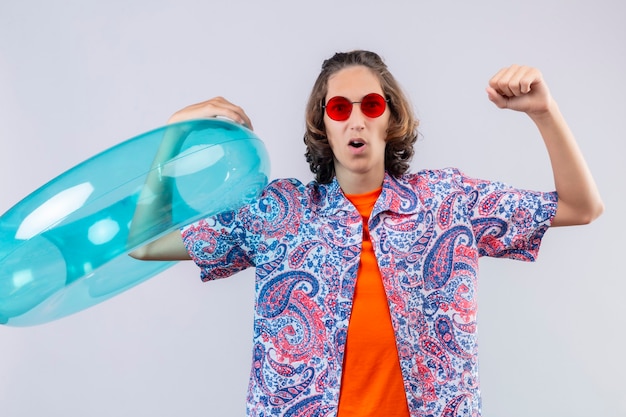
(546, 114)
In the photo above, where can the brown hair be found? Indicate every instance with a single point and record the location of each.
(402, 131)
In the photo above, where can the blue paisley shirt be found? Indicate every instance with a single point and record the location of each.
(428, 230)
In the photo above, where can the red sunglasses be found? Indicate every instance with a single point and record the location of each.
(339, 108)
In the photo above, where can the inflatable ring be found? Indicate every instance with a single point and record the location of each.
(65, 247)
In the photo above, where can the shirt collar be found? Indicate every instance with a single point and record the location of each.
(397, 196)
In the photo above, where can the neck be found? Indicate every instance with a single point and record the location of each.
(353, 184)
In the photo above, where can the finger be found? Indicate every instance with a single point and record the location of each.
(530, 78)
(498, 99)
(499, 82)
(237, 114)
(227, 109)
(520, 80)
(219, 106)
(215, 107)
(516, 80)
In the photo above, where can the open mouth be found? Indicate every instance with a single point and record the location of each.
(356, 143)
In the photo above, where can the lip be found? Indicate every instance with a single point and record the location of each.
(357, 150)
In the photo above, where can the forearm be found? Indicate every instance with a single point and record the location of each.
(154, 209)
(154, 205)
(579, 198)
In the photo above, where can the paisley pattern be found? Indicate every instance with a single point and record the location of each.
(428, 231)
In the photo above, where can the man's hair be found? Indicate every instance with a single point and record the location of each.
(402, 131)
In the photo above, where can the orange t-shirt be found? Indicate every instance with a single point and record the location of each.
(371, 383)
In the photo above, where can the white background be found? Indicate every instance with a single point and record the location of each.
(77, 77)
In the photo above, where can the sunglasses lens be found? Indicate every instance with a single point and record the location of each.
(339, 108)
(373, 105)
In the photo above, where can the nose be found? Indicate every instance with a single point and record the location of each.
(357, 118)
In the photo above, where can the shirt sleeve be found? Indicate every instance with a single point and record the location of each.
(230, 242)
(508, 222)
(219, 245)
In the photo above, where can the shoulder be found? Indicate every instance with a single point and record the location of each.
(285, 183)
(448, 179)
(288, 188)
(426, 189)
(290, 193)
(312, 192)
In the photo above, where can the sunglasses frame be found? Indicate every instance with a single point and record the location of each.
(352, 103)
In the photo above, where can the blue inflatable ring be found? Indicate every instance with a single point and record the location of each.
(65, 247)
